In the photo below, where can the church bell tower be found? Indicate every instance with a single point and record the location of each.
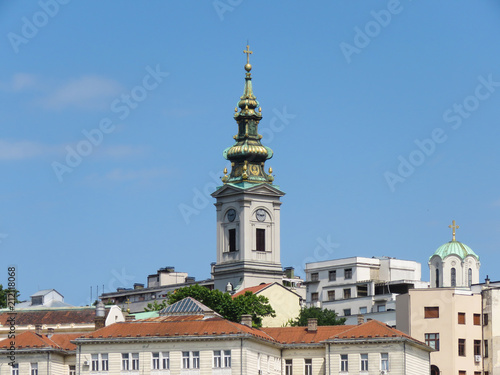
(248, 204)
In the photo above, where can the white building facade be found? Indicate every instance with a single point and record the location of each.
(361, 286)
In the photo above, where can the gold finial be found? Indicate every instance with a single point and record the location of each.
(128, 305)
(248, 67)
(225, 178)
(453, 226)
(270, 170)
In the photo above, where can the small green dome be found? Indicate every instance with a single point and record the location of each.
(454, 248)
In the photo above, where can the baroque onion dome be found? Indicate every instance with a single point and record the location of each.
(248, 155)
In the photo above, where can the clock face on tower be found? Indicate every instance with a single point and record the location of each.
(261, 215)
(231, 215)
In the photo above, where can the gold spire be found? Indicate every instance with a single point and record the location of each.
(248, 67)
(453, 226)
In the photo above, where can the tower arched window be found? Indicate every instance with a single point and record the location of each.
(437, 277)
(453, 277)
(469, 276)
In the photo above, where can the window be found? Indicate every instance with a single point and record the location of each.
(190, 359)
(431, 312)
(288, 367)
(104, 362)
(380, 308)
(347, 312)
(314, 276)
(227, 358)
(461, 347)
(314, 297)
(308, 366)
(432, 339)
(344, 363)
(332, 275)
(477, 347)
(461, 318)
(160, 361)
(217, 359)
(469, 277)
(261, 239)
(348, 273)
(15, 369)
(135, 361)
(384, 361)
(485, 319)
(72, 370)
(362, 290)
(364, 362)
(232, 240)
(331, 295)
(95, 362)
(363, 310)
(437, 278)
(34, 368)
(165, 360)
(486, 351)
(125, 361)
(477, 372)
(347, 293)
(462, 372)
(477, 319)
(453, 277)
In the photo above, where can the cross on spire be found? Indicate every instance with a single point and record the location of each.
(453, 226)
(248, 52)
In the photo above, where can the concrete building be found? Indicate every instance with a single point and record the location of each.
(358, 285)
(285, 302)
(448, 320)
(190, 339)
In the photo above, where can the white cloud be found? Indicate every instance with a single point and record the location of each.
(87, 92)
(20, 150)
(23, 81)
(119, 151)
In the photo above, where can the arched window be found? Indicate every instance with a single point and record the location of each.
(469, 276)
(453, 277)
(434, 370)
(437, 277)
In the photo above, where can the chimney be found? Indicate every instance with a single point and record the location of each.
(38, 329)
(312, 325)
(246, 319)
(487, 280)
(129, 318)
(50, 332)
(361, 319)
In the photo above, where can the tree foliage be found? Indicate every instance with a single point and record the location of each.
(325, 317)
(222, 303)
(3, 296)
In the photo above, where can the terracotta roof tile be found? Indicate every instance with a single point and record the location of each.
(59, 316)
(171, 327)
(30, 339)
(253, 289)
(288, 335)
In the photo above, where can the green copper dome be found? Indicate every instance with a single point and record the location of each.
(454, 248)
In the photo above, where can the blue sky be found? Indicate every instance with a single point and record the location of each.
(383, 117)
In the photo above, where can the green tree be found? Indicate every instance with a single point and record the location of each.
(155, 306)
(222, 303)
(325, 317)
(4, 295)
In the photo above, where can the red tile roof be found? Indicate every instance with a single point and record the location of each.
(59, 316)
(297, 335)
(253, 289)
(175, 326)
(30, 339)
